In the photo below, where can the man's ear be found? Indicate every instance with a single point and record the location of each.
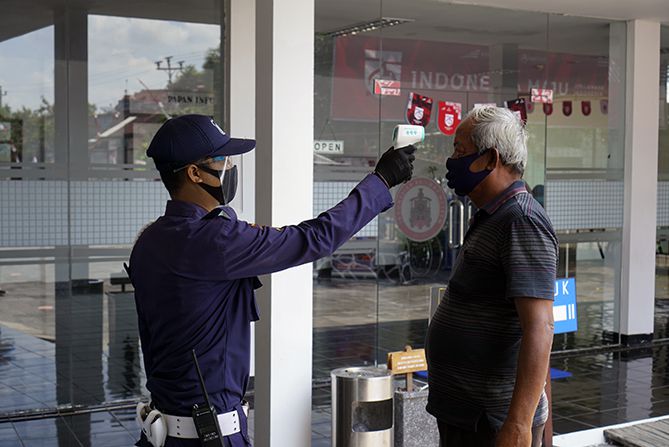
(493, 159)
(193, 174)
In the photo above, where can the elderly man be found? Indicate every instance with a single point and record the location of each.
(489, 342)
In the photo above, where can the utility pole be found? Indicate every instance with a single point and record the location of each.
(169, 69)
(2, 94)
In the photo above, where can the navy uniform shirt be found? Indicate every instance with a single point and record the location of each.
(472, 345)
(194, 275)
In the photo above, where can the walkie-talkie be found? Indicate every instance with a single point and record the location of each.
(204, 416)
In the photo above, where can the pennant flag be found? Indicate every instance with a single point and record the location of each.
(450, 114)
(387, 88)
(518, 108)
(548, 108)
(566, 108)
(484, 104)
(586, 108)
(529, 106)
(419, 109)
(544, 95)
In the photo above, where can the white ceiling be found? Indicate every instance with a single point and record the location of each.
(453, 23)
(518, 22)
(655, 10)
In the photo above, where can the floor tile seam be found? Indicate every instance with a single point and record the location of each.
(76, 438)
(17, 435)
(123, 425)
(588, 411)
(23, 393)
(579, 422)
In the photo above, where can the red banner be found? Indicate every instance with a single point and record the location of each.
(461, 72)
(518, 108)
(387, 88)
(450, 114)
(586, 108)
(566, 108)
(529, 106)
(419, 109)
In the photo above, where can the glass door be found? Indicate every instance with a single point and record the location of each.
(456, 68)
(83, 88)
(584, 169)
(662, 251)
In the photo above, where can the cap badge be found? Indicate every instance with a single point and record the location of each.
(217, 127)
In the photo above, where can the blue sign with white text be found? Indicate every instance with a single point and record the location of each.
(564, 306)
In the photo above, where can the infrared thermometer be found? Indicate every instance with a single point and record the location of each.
(406, 134)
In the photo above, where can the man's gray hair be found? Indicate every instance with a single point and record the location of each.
(500, 128)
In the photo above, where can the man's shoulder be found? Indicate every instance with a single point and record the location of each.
(524, 206)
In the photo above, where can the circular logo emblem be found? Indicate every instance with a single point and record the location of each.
(420, 209)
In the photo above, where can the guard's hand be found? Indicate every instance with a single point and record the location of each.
(396, 165)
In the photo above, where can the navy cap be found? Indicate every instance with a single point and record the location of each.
(190, 138)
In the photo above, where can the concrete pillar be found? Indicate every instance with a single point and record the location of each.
(504, 70)
(71, 115)
(78, 303)
(637, 303)
(240, 84)
(284, 187)
(71, 91)
(240, 66)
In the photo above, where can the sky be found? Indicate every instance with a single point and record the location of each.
(121, 51)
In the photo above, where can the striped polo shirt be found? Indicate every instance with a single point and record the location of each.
(509, 251)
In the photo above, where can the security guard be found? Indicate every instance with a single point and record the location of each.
(195, 269)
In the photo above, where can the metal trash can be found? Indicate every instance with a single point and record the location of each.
(362, 407)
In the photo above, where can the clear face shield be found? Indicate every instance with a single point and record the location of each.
(225, 169)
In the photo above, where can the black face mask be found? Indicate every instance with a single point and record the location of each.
(226, 192)
(460, 178)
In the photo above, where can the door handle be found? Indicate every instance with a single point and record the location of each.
(452, 243)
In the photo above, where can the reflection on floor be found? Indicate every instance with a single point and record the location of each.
(97, 359)
(603, 389)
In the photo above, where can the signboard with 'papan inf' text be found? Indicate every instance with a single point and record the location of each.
(564, 306)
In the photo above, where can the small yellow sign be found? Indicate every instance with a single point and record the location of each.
(409, 361)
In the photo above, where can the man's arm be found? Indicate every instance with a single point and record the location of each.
(536, 320)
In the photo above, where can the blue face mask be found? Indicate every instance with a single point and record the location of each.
(460, 178)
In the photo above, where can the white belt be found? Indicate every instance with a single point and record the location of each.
(157, 426)
(184, 427)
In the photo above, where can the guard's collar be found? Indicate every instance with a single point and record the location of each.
(184, 209)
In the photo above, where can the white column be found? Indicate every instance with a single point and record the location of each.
(641, 151)
(240, 66)
(71, 116)
(284, 184)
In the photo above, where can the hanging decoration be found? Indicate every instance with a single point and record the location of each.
(518, 107)
(529, 106)
(543, 95)
(450, 114)
(419, 109)
(566, 108)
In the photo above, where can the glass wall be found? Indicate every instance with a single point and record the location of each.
(662, 252)
(83, 88)
(373, 295)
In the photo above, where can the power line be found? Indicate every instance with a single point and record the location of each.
(169, 68)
